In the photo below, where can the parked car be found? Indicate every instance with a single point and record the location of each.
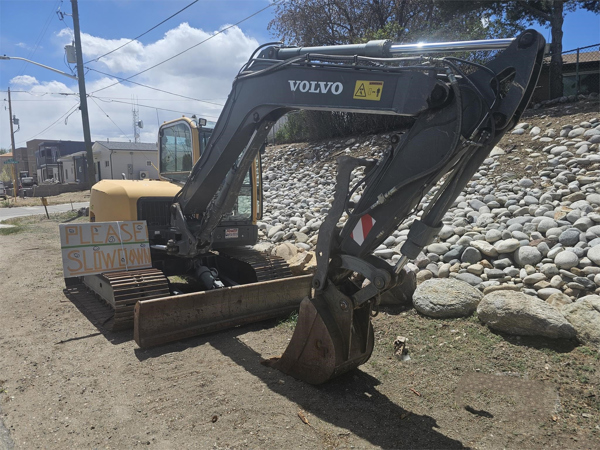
(2, 190)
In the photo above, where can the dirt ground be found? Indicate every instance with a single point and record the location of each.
(67, 197)
(65, 382)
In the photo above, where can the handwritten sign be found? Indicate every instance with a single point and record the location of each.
(96, 247)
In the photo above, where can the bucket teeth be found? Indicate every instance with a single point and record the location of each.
(330, 338)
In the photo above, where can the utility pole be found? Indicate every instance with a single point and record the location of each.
(12, 143)
(91, 170)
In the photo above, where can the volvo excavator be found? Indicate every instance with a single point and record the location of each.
(208, 199)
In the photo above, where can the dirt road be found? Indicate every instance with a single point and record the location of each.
(65, 382)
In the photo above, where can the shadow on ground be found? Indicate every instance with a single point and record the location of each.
(97, 312)
(351, 402)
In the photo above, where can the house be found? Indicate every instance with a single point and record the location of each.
(48, 154)
(581, 74)
(136, 160)
(25, 157)
(113, 160)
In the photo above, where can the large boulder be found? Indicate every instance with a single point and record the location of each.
(444, 298)
(286, 251)
(517, 313)
(584, 315)
(401, 294)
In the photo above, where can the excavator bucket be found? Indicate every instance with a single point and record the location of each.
(330, 338)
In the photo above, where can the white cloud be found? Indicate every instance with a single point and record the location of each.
(24, 45)
(24, 80)
(205, 72)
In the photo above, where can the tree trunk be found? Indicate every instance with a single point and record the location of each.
(556, 23)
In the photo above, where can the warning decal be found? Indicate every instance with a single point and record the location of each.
(368, 90)
(362, 229)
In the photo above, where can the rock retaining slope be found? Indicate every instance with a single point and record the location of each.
(529, 220)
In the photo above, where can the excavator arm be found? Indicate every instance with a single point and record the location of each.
(460, 109)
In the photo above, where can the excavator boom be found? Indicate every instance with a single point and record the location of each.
(460, 109)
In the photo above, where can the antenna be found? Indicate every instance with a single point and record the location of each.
(137, 123)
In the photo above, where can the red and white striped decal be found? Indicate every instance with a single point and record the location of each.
(362, 229)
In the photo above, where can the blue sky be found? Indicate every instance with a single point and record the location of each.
(32, 29)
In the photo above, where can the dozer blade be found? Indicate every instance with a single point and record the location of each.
(169, 319)
(330, 338)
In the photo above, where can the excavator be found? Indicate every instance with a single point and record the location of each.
(204, 211)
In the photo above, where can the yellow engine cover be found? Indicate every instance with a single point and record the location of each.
(116, 200)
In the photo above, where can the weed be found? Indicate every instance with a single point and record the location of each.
(291, 321)
(11, 230)
(6, 204)
(589, 351)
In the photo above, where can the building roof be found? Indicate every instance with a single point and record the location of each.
(72, 156)
(65, 147)
(128, 146)
(584, 57)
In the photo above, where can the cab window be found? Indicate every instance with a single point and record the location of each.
(242, 209)
(176, 151)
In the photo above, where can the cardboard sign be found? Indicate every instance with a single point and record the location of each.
(96, 247)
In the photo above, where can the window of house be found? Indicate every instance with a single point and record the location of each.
(72, 170)
(106, 163)
(149, 163)
(66, 174)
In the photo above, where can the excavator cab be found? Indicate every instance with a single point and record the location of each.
(181, 144)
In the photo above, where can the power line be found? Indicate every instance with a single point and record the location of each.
(43, 93)
(157, 99)
(184, 51)
(149, 87)
(71, 110)
(96, 103)
(152, 107)
(40, 37)
(144, 33)
(33, 100)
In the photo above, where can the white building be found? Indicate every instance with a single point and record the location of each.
(113, 160)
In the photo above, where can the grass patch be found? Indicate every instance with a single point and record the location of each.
(56, 217)
(11, 230)
(290, 322)
(31, 223)
(6, 204)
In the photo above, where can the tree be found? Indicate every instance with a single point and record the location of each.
(331, 22)
(551, 13)
(519, 14)
(3, 151)
(6, 173)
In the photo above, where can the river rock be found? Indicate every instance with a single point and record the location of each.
(507, 246)
(444, 298)
(471, 255)
(569, 237)
(584, 316)
(559, 300)
(286, 251)
(485, 247)
(566, 260)
(521, 314)
(594, 254)
(527, 256)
